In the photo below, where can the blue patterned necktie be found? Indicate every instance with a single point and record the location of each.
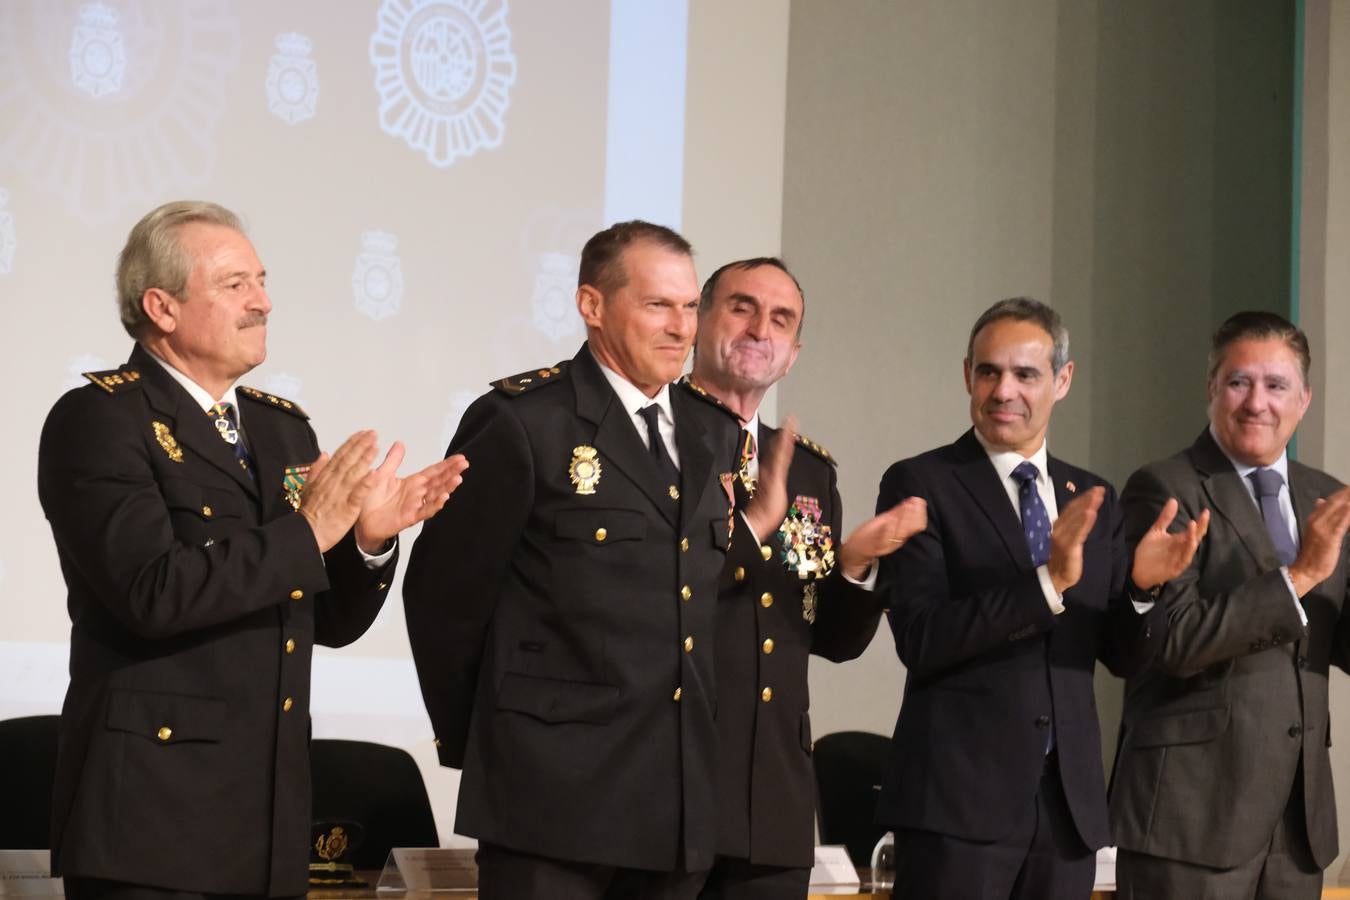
(1268, 483)
(1035, 519)
(227, 426)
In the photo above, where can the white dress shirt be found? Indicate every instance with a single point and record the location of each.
(1005, 461)
(632, 399)
(1280, 465)
(203, 398)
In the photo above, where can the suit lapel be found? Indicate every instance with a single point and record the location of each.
(977, 474)
(268, 458)
(190, 424)
(1230, 499)
(696, 457)
(1303, 496)
(616, 436)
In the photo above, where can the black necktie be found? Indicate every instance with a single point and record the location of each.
(656, 445)
(227, 426)
(1268, 483)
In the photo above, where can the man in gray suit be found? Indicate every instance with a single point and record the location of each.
(1222, 786)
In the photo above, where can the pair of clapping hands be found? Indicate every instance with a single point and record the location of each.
(1158, 558)
(342, 491)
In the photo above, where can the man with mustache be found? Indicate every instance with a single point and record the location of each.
(784, 594)
(207, 546)
(1000, 609)
(1222, 786)
(563, 621)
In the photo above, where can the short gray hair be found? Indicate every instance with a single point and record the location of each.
(1026, 309)
(154, 258)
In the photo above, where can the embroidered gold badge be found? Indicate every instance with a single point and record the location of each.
(166, 440)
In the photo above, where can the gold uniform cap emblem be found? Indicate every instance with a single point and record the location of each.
(584, 469)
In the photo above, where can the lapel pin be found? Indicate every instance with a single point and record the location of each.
(1070, 487)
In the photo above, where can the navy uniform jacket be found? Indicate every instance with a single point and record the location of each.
(1236, 702)
(564, 627)
(768, 625)
(984, 652)
(195, 597)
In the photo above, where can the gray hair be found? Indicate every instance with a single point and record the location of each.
(1026, 309)
(154, 258)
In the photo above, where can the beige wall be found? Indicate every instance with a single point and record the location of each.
(1127, 162)
(1324, 281)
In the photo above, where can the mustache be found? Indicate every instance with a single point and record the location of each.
(252, 319)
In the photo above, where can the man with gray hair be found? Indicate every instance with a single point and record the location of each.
(207, 546)
(1000, 609)
(1222, 786)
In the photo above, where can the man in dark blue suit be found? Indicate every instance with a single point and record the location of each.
(1000, 610)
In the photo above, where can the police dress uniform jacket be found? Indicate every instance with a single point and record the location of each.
(770, 619)
(985, 654)
(1215, 731)
(562, 614)
(195, 595)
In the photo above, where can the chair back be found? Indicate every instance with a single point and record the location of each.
(379, 787)
(848, 768)
(27, 774)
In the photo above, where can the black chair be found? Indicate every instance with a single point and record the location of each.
(378, 787)
(27, 773)
(848, 768)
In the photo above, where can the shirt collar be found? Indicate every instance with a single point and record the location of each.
(1006, 460)
(1280, 465)
(199, 394)
(631, 397)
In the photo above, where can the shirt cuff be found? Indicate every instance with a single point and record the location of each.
(378, 561)
(1298, 604)
(1053, 598)
(869, 581)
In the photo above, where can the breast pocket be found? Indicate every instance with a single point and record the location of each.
(600, 527)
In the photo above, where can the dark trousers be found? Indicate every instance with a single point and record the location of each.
(505, 874)
(1284, 870)
(1042, 858)
(739, 879)
(99, 889)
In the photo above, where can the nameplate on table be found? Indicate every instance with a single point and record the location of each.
(833, 871)
(437, 869)
(28, 873)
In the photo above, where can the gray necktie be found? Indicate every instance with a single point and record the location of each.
(1268, 483)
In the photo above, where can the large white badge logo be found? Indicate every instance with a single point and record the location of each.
(555, 311)
(443, 69)
(377, 283)
(284, 384)
(460, 401)
(107, 106)
(98, 61)
(292, 80)
(6, 235)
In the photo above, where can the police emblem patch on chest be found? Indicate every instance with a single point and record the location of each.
(584, 469)
(808, 545)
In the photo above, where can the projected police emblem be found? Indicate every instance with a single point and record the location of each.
(459, 404)
(443, 69)
(554, 301)
(81, 363)
(377, 283)
(284, 384)
(7, 241)
(292, 80)
(98, 59)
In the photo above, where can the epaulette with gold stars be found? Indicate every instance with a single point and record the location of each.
(280, 403)
(702, 393)
(804, 441)
(115, 380)
(516, 385)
